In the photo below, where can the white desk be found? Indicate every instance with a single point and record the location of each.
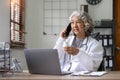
(113, 75)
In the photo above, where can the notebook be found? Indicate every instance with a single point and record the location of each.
(43, 61)
(90, 73)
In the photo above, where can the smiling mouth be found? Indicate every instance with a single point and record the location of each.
(76, 30)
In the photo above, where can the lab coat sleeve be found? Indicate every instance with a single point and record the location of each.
(92, 57)
(59, 43)
(96, 53)
(86, 63)
(60, 50)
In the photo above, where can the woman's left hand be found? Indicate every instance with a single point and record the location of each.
(71, 50)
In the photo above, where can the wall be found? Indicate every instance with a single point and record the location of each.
(4, 20)
(103, 10)
(34, 24)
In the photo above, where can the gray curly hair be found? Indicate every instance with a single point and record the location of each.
(86, 20)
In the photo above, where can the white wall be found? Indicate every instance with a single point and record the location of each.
(34, 24)
(4, 20)
(103, 10)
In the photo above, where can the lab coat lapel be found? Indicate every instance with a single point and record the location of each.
(84, 44)
(85, 41)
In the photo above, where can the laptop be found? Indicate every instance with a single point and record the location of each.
(43, 61)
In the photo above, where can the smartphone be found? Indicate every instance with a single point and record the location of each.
(68, 29)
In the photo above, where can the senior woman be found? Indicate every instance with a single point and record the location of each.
(81, 52)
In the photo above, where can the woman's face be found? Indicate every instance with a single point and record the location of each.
(77, 26)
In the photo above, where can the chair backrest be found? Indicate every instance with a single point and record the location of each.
(102, 66)
(96, 35)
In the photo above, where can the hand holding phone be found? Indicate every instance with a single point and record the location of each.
(68, 29)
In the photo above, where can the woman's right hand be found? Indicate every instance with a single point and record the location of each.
(62, 34)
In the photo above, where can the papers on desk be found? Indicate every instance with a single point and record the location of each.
(89, 73)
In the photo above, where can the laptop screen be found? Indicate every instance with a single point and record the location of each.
(42, 61)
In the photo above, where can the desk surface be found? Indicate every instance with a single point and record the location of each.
(113, 75)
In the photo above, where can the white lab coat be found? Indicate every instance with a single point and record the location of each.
(89, 57)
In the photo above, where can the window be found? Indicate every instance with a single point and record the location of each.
(17, 20)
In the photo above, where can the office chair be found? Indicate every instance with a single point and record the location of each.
(96, 35)
(102, 66)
